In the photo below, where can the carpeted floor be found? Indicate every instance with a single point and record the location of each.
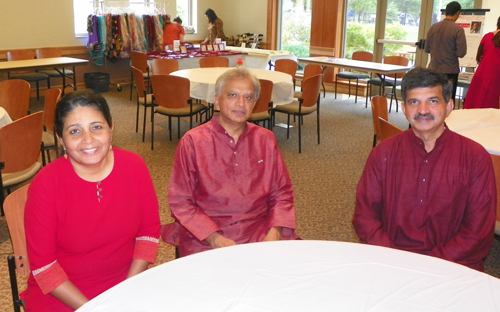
(324, 176)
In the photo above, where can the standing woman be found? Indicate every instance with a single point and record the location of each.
(92, 216)
(484, 90)
(215, 27)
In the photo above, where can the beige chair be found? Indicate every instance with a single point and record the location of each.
(49, 138)
(214, 61)
(164, 66)
(143, 98)
(496, 168)
(63, 73)
(387, 130)
(263, 106)
(379, 109)
(139, 60)
(350, 75)
(18, 262)
(307, 104)
(20, 143)
(288, 67)
(309, 71)
(15, 97)
(28, 75)
(172, 97)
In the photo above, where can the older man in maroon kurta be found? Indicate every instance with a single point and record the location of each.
(229, 184)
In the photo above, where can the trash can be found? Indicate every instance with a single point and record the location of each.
(97, 81)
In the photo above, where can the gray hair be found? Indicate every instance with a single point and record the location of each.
(237, 74)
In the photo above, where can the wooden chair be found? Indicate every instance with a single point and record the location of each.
(20, 143)
(496, 168)
(387, 130)
(349, 75)
(139, 60)
(309, 71)
(28, 75)
(164, 66)
(172, 97)
(15, 97)
(143, 98)
(18, 262)
(49, 138)
(288, 67)
(263, 106)
(214, 61)
(379, 109)
(56, 72)
(393, 81)
(307, 104)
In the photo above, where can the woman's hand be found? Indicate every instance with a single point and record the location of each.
(274, 234)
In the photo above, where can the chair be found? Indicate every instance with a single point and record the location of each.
(379, 109)
(28, 75)
(359, 56)
(140, 61)
(20, 143)
(309, 71)
(172, 96)
(387, 130)
(56, 73)
(143, 98)
(383, 82)
(307, 104)
(288, 67)
(214, 61)
(49, 138)
(164, 66)
(15, 97)
(496, 168)
(263, 106)
(18, 262)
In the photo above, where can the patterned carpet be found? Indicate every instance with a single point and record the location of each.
(324, 176)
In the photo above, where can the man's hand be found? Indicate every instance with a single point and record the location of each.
(274, 234)
(218, 241)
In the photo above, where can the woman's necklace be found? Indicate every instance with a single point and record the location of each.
(99, 190)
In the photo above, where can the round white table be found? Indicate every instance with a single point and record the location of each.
(481, 125)
(4, 117)
(203, 82)
(303, 276)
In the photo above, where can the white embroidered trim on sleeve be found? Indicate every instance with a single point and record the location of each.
(40, 270)
(148, 238)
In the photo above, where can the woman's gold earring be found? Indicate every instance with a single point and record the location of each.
(65, 155)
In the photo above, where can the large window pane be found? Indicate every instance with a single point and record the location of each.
(296, 26)
(360, 26)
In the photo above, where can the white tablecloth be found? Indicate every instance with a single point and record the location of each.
(4, 117)
(481, 125)
(304, 276)
(260, 58)
(203, 82)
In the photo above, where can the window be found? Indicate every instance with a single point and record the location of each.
(186, 11)
(82, 9)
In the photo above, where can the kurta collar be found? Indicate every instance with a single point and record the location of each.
(441, 141)
(218, 127)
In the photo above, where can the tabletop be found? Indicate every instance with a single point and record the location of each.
(41, 63)
(374, 67)
(203, 82)
(481, 125)
(303, 276)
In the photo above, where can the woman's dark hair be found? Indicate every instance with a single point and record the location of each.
(178, 20)
(80, 98)
(211, 16)
(498, 23)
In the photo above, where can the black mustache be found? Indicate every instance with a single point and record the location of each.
(417, 116)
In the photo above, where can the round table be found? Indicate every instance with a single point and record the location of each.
(203, 82)
(4, 117)
(481, 125)
(303, 276)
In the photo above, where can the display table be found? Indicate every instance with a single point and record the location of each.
(203, 83)
(191, 59)
(260, 58)
(481, 125)
(304, 276)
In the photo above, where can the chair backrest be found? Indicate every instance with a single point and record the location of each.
(20, 142)
(310, 90)
(48, 53)
(164, 66)
(387, 130)
(286, 66)
(14, 215)
(214, 61)
(266, 91)
(362, 56)
(379, 109)
(139, 82)
(312, 70)
(139, 60)
(49, 110)
(396, 60)
(15, 97)
(18, 55)
(171, 91)
(496, 168)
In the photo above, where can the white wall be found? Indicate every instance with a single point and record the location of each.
(490, 23)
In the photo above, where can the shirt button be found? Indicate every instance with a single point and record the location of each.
(426, 161)
(423, 180)
(421, 200)
(234, 153)
(236, 165)
(231, 142)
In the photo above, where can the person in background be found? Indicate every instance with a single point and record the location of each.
(229, 183)
(484, 89)
(446, 43)
(173, 31)
(428, 190)
(215, 27)
(91, 216)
